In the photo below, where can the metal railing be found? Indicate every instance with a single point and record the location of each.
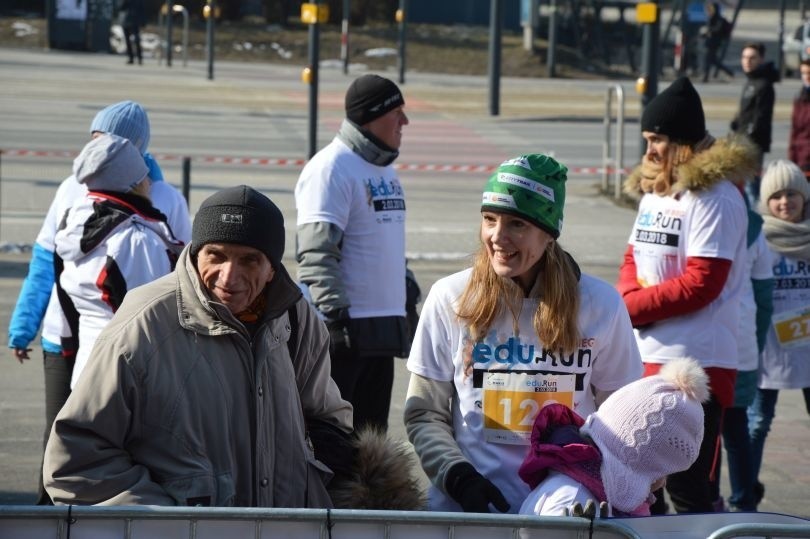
(176, 8)
(152, 522)
(195, 522)
(761, 530)
(613, 165)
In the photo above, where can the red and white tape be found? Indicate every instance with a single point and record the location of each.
(281, 162)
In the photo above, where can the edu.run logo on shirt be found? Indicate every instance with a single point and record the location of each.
(386, 195)
(658, 228)
(513, 351)
(791, 275)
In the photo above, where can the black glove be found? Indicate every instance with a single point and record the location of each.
(473, 491)
(337, 322)
(333, 447)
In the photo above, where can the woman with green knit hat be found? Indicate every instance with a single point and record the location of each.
(495, 342)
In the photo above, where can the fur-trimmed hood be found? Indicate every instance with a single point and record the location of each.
(383, 476)
(733, 158)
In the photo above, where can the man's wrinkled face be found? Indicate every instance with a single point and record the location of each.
(234, 274)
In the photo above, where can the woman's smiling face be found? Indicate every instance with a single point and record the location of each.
(514, 245)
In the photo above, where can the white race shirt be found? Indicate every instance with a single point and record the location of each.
(758, 267)
(668, 230)
(786, 358)
(367, 203)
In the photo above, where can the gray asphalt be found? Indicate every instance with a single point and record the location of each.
(48, 98)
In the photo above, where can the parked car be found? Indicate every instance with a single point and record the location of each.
(796, 48)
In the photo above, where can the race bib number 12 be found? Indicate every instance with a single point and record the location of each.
(513, 399)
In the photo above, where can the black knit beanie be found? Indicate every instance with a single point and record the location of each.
(371, 96)
(243, 216)
(677, 113)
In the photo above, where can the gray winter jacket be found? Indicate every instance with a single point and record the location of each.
(178, 406)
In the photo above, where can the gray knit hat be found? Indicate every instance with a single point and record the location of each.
(243, 216)
(109, 163)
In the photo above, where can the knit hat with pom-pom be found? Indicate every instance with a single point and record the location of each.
(649, 429)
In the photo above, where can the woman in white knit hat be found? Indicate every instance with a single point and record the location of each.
(643, 432)
(785, 208)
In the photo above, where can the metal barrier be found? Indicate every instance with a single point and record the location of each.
(761, 530)
(142, 522)
(613, 166)
(22, 522)
(176, 8)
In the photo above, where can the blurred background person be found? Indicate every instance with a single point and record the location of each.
(716, 32)
(755, 113)
(131, 16)
(799, 143)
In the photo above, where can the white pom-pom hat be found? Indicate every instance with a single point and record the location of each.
(649, 429)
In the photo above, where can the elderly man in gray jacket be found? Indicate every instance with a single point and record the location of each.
(203, 386)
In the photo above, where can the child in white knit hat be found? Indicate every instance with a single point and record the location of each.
(622, 452)
(785, 209)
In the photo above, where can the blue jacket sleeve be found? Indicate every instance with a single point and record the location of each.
(33, 299)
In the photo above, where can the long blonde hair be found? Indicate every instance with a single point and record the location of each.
(555, 321)
(659, 178)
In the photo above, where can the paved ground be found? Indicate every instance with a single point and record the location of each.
(47, 100)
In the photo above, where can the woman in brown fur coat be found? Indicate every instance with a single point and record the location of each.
(683, 270)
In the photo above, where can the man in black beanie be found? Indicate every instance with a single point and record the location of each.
(203, 386)
(684, 269)
(351, 245)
